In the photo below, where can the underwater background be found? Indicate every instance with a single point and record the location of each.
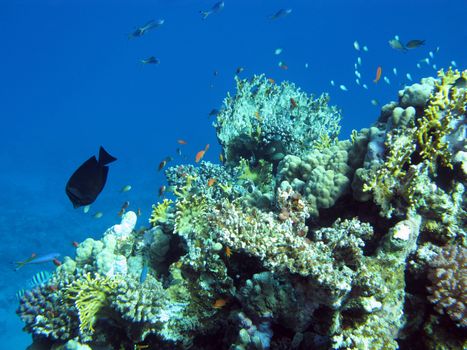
(72, 80)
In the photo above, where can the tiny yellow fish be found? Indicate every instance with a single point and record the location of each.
(211, 181)
(219, 303)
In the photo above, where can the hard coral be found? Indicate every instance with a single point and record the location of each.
(449, 279)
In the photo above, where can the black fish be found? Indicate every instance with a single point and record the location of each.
(89, 179)
(412, 44)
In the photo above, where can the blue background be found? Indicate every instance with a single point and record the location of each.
(71, 80)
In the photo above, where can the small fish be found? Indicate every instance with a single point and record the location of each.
(211, 181)
(228, 252)
(409, 77)
(162, 165)
(221, 158)
(375, 102)
(425, 60)
(124, 207)
(75, 244)
(358, 75)
(138, 212)
(343, 88)
(219, 303)
(278, 51)
(181, 142)
(379, 71)
(394, 71)
(397, 45)
(217, 7)
(239, 70)
(355, 65)
(306, 65)
(293, 103)
(386, 80)
(357, 81)
(460, 83)
(215, 73)
(89, 179)
(454, 64)
(140, 31)
(281, 13)
(214, 112)
(125, 188)
(333, 83)
(162, 190)
(365, 86)
(272, 81)
(179, 151)
(356, 45)
(39, 279)
(282, 65)
(57, 262)
(413, 44)
(365, 48)
(419, 66)
(34, 259)
(359, 60)
(150, 60)
(86, 209)
(431, 54)
(435, 67)
(199, 156)
(144, 273)
(98, 215)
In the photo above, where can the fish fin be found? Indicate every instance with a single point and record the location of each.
(104, 157)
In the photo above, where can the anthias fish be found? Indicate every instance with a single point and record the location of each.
(140, 31)
(217, 7)
(281, 13)
(89, 179)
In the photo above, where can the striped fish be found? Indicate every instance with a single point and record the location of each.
(39, 279)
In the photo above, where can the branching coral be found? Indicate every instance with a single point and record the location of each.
(160, 212)
(90, 294)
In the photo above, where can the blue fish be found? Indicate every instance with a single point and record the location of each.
(144, 273)
(217, 7)
(281, 13)
(150, 60)
(39, 279)
(34, 259)
(140, 31)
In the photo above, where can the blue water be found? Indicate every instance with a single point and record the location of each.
(70, 81)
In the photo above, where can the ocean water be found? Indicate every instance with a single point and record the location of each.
(71, 81)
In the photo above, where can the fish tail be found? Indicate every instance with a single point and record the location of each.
(204, 14)
(104, 157)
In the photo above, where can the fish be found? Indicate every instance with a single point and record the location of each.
(214, 112)
(435, 67)
(365, 48)
(278, 51)
(375, 102)
(306, 65)
(57, 262)
(431, 54)
(357, 81)
(460, 83)
(34, 259)
(359, 60)
(162, 190)
(138, 212)
(215, 73)
(162, 165)
(98, 215)
(217, 7)
(293, 103)
(150, 60)
(394, 71)
(454, 64)
(386, 80)
(271, 80)
(125, 188)
(89, 179)
(343, 88)
(356, 45)
(39, 279)
(140, 31)
(379, 71)
(397, 45)
(75, 244)
(211, 181)
(219, 303)
(181, 142)
(409, 77)
(419, 66)
(281, 13)
(365, 86)
(413, 44)
(282, 65)
(86, 209)
(332, 83)
(178, 151)
(221, 158)
(357, 74)
(228, 252)
(144, 273)
(201, 153)
(124, 207)
(425, 60)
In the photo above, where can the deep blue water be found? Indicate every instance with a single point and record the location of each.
(70, 81)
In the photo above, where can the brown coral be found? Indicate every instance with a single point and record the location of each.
(449, 278)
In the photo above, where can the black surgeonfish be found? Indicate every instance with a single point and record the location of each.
(89, 179)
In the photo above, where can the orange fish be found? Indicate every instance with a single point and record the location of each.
(181, 142)
(56, 262)
(206, 147)
(199, 155)
(379, 70)
(228, 252)
(293, 104)
(211, 181)
(219, 303)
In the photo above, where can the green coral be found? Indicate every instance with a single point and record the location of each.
(160, 212)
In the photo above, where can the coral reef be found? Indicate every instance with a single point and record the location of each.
(297, 241)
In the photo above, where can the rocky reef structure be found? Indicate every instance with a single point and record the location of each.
(297, 241)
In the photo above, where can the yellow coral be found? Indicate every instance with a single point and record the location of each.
(159, 212)
(89, 295)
